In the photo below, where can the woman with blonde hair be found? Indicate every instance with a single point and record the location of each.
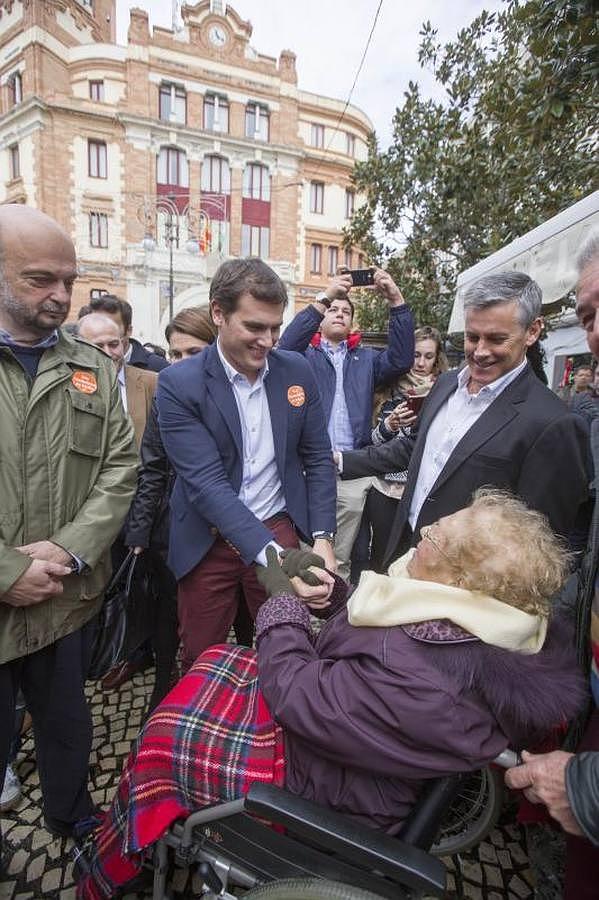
(395, 413)
(433, 669)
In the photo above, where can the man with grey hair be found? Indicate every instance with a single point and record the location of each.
(493, 423)
(567, 783)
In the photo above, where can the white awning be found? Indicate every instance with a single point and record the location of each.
(546, 253)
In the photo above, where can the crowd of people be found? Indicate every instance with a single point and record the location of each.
(243, 472)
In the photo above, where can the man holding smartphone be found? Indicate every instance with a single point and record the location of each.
(348, 374)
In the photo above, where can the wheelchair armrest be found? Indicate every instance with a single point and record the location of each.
(335, 832)
(424, 820)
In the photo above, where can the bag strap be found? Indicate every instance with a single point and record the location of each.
(125, 570)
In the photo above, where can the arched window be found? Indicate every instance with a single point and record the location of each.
(172, 168)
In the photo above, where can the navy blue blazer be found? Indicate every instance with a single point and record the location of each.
(201, 431)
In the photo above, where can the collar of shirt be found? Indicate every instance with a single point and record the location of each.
(45, 343)
(330, 350)
(127, 356)
(495, 387)
(232, 373)
(121, 376)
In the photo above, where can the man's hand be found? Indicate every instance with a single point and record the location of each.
(339, 287)
(46, 550)
(137, 551)
(385, 285)
(324, 548)
(543, 780)
(39, 582)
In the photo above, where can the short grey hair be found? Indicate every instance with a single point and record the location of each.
(588, 253)
(507, 287)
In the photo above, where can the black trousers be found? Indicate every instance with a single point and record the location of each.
(380, 510)
(52, 681)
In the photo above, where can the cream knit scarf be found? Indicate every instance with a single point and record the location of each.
(397, 599)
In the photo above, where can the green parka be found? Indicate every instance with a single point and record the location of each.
(67, 474)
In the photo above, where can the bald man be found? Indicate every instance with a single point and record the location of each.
(137, 386)
(67, 476)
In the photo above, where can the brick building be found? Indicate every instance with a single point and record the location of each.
(186, 145)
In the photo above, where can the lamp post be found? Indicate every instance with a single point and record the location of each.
(182, 214)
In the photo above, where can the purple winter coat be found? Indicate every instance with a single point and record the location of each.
(368, 713)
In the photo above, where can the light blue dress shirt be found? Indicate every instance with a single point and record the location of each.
(340, 431)
(261, 488)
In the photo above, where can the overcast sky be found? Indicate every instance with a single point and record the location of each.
(329, 37)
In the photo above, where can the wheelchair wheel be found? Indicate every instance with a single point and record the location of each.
(308, 889)
(473, 813)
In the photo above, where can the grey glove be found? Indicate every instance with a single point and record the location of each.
(296, 563)
(272, 577)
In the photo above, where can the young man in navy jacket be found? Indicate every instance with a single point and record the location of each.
(243, 426)
(347, 375)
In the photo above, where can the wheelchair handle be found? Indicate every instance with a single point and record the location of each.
(507, 759)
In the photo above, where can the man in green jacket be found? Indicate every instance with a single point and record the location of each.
(67, 475)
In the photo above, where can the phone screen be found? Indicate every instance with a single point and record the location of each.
(415, 403)
(362, 277)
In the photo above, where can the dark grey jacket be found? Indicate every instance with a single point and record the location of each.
(582, 786)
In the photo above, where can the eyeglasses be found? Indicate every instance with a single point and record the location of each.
(425, 532)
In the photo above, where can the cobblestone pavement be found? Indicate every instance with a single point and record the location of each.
(39, 865)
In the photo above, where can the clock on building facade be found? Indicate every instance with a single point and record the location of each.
(217, 35)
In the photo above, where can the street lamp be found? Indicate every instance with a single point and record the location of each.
(181, 213)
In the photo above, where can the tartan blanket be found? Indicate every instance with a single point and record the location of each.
(209, 739)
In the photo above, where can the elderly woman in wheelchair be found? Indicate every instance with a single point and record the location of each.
(432, 669)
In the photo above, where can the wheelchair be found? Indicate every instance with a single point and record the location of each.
(313, 853)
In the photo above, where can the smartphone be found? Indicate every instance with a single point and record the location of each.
(361, 277)
(415, 403)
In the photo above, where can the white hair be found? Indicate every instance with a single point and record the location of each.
(589, 252)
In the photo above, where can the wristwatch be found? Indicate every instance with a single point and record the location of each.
(325, 536)
(323, 298)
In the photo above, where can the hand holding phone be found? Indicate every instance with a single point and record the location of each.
(400, 417)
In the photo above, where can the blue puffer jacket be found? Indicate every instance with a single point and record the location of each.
(364, 370)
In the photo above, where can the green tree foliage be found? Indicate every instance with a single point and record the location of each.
(513, 142)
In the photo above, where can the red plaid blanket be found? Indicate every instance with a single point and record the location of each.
(209, 739)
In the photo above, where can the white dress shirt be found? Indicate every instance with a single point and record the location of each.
(122, 386)
(456, 417)
(261, 488)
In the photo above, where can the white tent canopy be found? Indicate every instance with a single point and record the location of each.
(546, 253)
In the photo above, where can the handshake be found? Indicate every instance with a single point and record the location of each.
(298, 573)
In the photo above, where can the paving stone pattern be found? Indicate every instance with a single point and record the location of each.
(39, 865)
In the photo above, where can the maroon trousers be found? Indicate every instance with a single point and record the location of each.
(208, 595)
(582, 858)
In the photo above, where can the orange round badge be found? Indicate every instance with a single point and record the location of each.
(296, 395)
(85, 382)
